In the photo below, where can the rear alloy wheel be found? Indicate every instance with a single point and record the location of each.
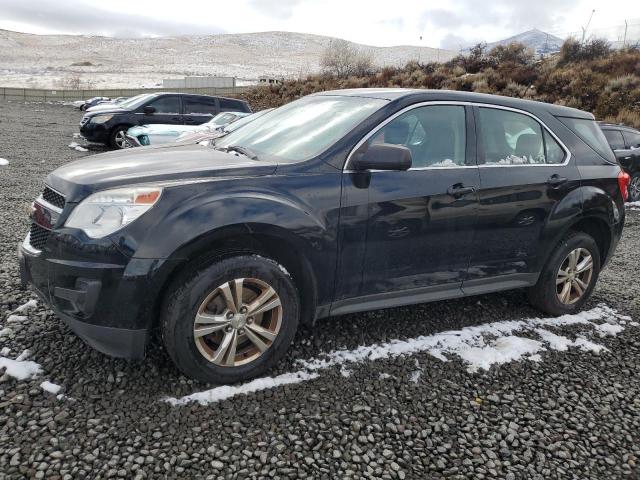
(569, 277)
(230, 319)
(634, 188)
(574, 276)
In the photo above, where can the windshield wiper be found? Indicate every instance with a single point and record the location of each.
(241, 150)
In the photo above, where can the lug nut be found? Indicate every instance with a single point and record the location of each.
(230, 315)
(243, 310)
(228, 329)
(250, 320)
(241, 331)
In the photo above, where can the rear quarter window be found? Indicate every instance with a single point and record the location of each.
(591, 134)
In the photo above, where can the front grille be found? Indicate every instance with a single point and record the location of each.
(38, 236)
(53, 197)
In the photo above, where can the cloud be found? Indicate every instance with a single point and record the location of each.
(275, 8)
(463, 17)
(74, 17)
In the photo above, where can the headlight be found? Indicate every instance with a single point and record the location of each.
(101, 118)
(108, 211)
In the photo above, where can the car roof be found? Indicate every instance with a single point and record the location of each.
(392, 94)
(198, 95)
(617, 126)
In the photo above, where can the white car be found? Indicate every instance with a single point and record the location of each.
(158, 134)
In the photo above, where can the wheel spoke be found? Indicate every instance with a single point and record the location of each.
(223, 348)
(205, 329)
(582, 284)
(238, 282)
(209, 319)
(584, 265)
(230, 357)
(263, 332)
(562, 277)
(228, 297)
(566, 292)
(578, 287)
(573, 259)
(264, 302)
(256, 340)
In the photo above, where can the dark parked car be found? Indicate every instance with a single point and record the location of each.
(110, 125)
(625, 143)
(336, 203)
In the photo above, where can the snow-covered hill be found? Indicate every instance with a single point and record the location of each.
(45, 61)
(539, 41)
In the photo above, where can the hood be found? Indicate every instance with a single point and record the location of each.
(166, 163)
(100, 109)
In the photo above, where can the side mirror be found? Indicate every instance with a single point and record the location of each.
(148, 110)
(383, 156)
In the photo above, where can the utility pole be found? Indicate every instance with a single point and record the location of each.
(584, 29)
(624, 41)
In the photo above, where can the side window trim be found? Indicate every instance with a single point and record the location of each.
(543, 126)
(478, 148)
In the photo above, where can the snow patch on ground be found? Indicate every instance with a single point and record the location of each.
(47, 386)
(16, 318)
(480, 347)
(227, 391)
(77, 147)
(27, 306)
(20, 369)
(4, 162)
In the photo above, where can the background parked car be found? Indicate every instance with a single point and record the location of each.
(91, 102)
(159, 134)
(211, 135)
(625, 143)
(109, 125)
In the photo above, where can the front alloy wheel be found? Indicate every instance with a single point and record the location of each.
(574, 276)
(237, 322)
(229, 319)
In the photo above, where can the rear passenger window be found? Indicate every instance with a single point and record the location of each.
(227, 105)
(633, 139)
(436, 135)
(614, 137)
(511, 138)
(203, 106)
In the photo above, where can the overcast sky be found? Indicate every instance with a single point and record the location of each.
(442, 23)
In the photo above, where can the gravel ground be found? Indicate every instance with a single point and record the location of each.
(571, 414)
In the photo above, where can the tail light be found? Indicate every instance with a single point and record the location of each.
(623, 183)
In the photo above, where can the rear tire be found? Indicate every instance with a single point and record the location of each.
(241, 342)
(634, 188)
(562, 287)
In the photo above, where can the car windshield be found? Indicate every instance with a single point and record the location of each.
(304, 128)
(221, 119)
(135, 102)
(232, 127)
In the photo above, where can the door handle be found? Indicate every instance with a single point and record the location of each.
(189, 119)
(175, 119)
(627, 158)
(556, 180)
(458, 190)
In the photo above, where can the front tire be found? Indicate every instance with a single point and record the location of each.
(231, 319)
(117, 138)
(569, 277)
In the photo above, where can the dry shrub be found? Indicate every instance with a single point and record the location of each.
(627, 117)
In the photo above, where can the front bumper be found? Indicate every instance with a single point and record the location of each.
(106, 298)
(98, 133)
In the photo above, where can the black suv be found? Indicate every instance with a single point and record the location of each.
(339, 202)
(625, 143)
(109, 124)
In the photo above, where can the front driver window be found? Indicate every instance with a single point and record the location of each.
(166, 105)
(436, 135)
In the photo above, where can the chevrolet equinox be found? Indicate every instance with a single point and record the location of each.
(339, 202)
